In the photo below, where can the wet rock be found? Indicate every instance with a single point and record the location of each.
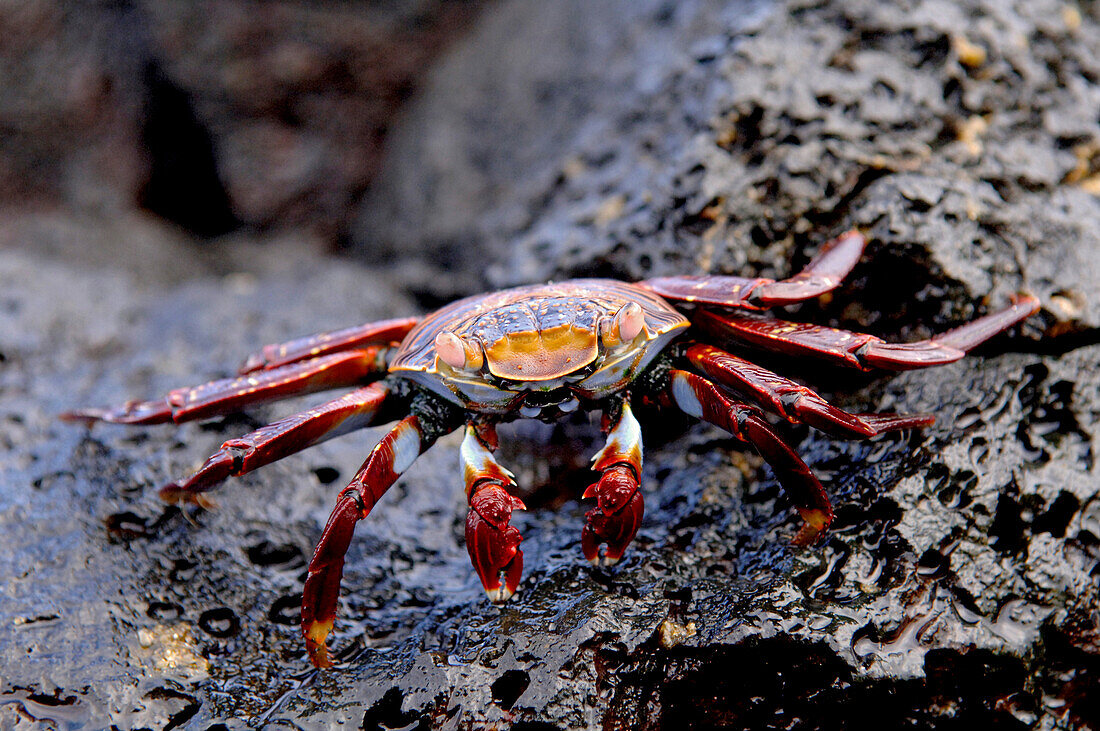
(958, 582)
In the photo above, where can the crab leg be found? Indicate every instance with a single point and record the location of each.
(493, 544)
(228, 395)
(383, 332)
(700, 398)
(793, 401)
(286, 436)
(860, 350)
(619, 504)
(835, 260)
(390, 457)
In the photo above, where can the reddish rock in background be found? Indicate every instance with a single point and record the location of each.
(210, 114)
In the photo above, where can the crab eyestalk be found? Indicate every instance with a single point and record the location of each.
(627, 324)
(493, 544)
(619, 504)
(458, 353)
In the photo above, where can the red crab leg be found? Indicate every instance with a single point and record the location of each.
(384, 332)
(822, 274)
(493, 543)
(700, 398)
(392, 456)
(860, 350)
(281, 438)
(793, 401)
(619, 504)
(228, 395)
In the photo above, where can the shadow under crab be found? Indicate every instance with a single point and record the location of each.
(539, 352)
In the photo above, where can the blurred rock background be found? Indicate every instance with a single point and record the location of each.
(183, 182)
(217, 117)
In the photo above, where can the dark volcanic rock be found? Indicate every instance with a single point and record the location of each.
(963, 139)
(958, 584)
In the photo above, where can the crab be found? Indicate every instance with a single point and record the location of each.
(542, 352)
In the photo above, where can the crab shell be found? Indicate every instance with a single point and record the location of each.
(538, 339)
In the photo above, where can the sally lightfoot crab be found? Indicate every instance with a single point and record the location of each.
(540, 352)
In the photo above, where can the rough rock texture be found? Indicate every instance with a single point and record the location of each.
(963, 138)
(958, 585)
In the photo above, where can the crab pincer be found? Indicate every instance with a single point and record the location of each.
(619, 504)
(615, 519)
(492, 542)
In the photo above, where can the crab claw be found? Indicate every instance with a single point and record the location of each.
(493, 543)
(616, 517)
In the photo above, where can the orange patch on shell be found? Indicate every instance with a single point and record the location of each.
(542, 356)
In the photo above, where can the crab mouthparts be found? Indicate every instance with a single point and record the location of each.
(536, 401)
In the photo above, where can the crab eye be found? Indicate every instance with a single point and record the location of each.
(457, 353)
(628, 322)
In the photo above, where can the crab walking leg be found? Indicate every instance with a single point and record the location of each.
(793, 401)
(619, 504)
(389, 458)
(698, 397)
(286, 436)
(383, 332)
(228, 395)
(835, 260)
(493, 544)
(860, 350)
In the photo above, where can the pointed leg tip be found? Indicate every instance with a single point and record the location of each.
(316, 633)
(86, 416)
(499, 591)
(816, 522)
(175, 494)
(1025, 301)
(605, 559)
(320, 657)
(172, 494)
(612, 555)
